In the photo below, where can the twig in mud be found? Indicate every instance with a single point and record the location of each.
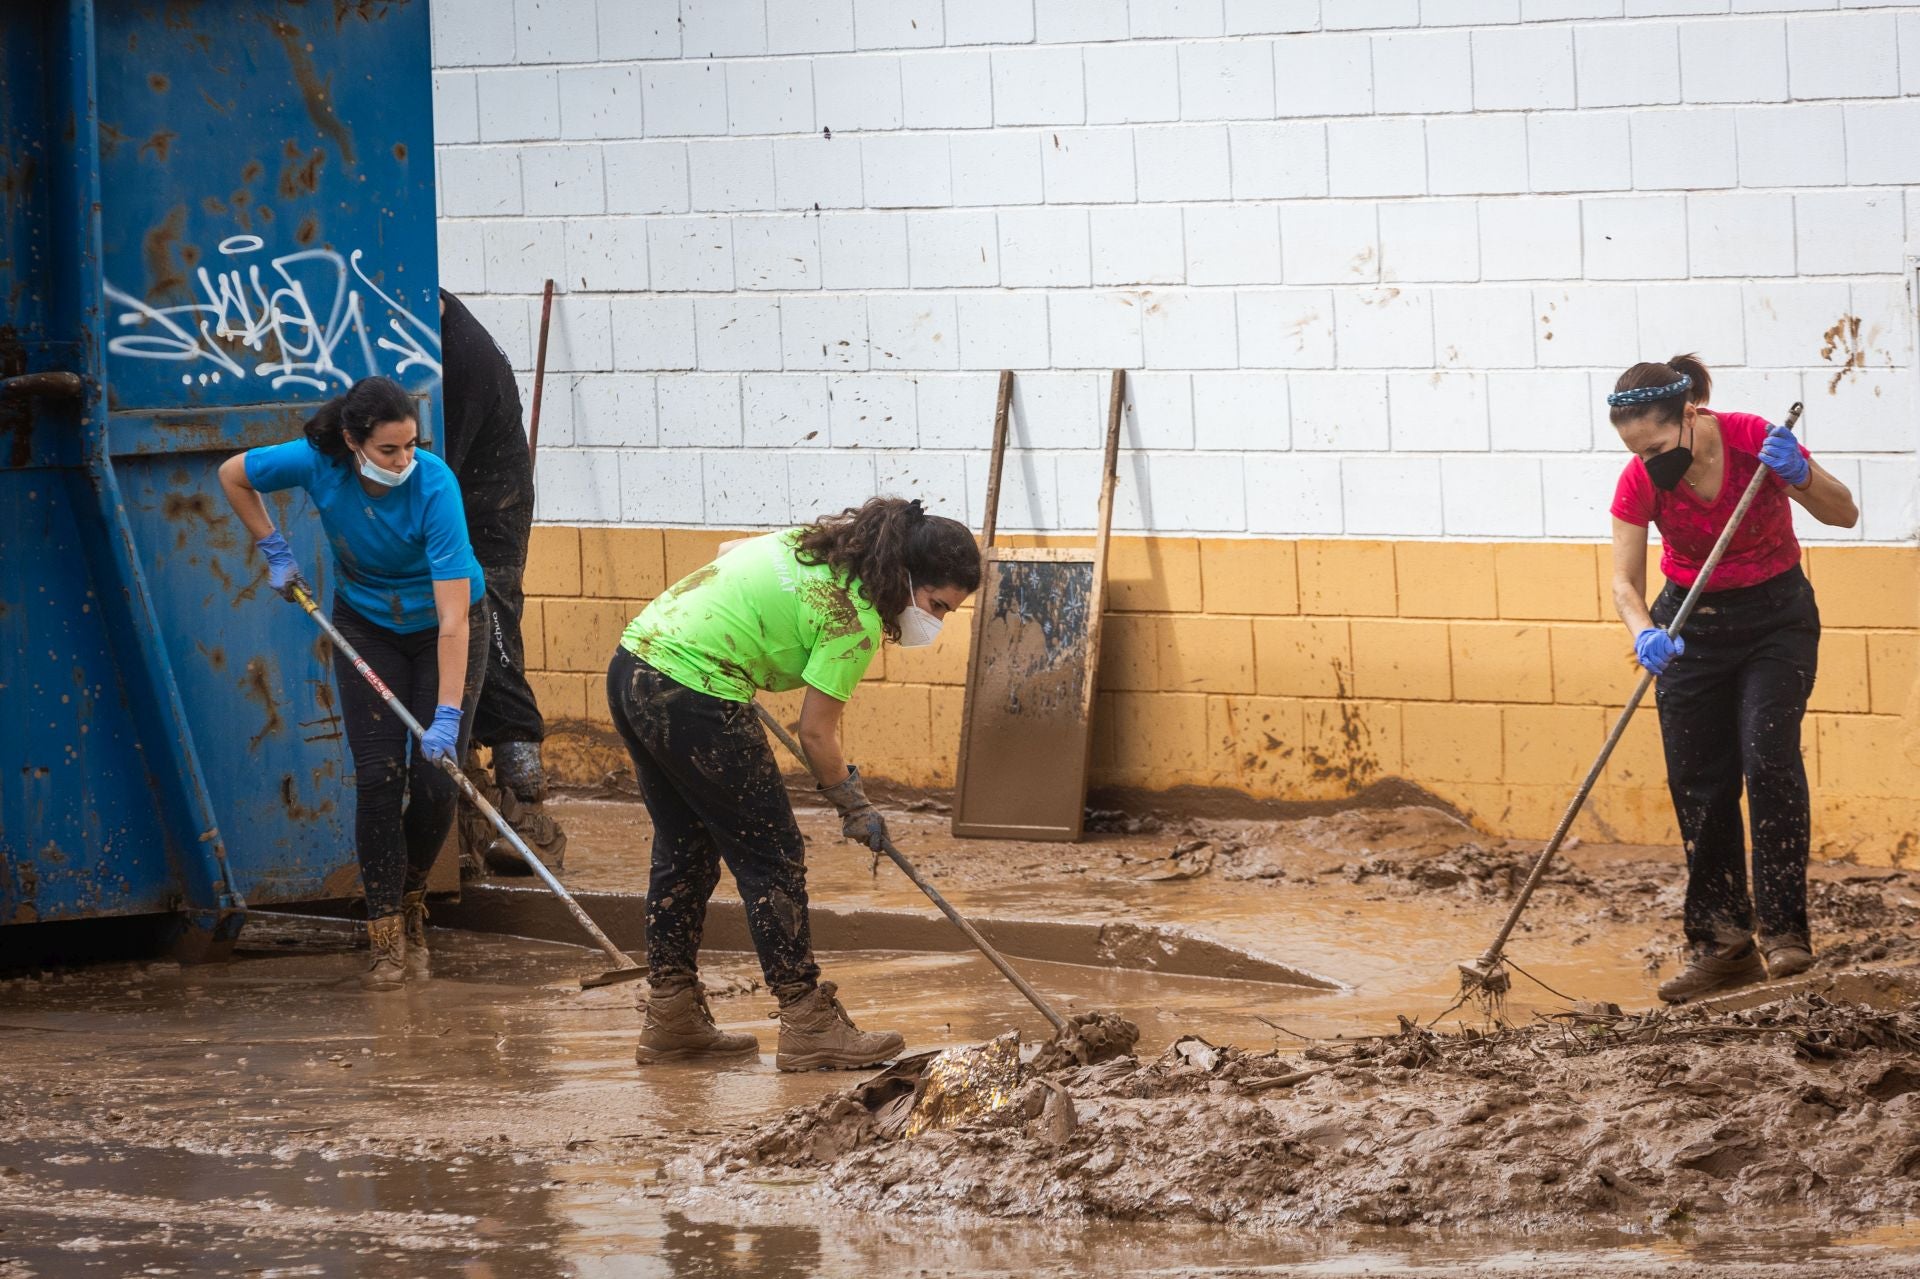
(1449, 1008)
(1283, 1081)
(1282, 1029)
(1508, 960)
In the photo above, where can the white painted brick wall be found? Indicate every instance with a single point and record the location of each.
(1374, 262)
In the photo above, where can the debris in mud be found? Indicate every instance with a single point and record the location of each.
(1190, 859)
(1087, 1040)
(965, 1083)
(1805, 1111)
(1411, 850)
(931, 1092)
(1112, 821)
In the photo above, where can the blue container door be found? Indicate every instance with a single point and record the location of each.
(267, 239)
(216, 215)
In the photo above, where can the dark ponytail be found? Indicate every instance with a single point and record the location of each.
(351, 417)
(882, 544)
(1651, 374)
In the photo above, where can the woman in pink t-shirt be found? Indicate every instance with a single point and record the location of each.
(1733, 688)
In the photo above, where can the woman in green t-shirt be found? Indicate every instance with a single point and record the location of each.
(806, 607)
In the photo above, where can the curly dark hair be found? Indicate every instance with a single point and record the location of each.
(353, 415)
(883, 543)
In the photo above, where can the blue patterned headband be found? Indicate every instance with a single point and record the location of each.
(1648, 394)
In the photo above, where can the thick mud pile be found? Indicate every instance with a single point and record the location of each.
(1804, 1111)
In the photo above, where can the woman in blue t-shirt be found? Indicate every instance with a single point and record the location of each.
(410, 595)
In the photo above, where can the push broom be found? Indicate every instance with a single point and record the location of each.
(1487, 975)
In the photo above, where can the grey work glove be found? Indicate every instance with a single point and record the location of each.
(860, 821)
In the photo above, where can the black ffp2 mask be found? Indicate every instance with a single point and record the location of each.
(1666, 470)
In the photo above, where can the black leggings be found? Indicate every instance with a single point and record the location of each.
(405, 808)
(1730, 710)
(714, 792)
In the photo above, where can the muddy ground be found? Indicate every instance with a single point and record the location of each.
(267, 1117)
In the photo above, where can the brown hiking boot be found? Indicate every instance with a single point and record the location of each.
(679, 1025)
(816, 1033)
(1786, 956)
(1709, 970)
(413, 910)
(387, 939)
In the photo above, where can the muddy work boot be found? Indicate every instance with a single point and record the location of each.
(680, 1025)
(817, 1034)
(413, 911)
(1710, 969)
(1786, 956)
(387, 939)
(522, 799)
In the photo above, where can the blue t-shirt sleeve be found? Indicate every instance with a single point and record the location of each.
(449, 555)
(282, 466)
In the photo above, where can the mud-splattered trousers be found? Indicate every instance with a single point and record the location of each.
(507, 711)
(405, 803)
(713, 789)
(1730, 711)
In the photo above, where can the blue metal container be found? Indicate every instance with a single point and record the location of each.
(213, 216)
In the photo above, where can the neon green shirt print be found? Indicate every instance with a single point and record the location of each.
(758, 618)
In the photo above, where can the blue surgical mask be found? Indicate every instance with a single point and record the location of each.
(382, 476)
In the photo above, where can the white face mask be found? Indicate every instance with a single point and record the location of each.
(918, 628)
(382, 476)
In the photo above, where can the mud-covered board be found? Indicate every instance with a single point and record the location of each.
(1024, 747)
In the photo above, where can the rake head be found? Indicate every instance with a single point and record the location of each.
(1485, 977)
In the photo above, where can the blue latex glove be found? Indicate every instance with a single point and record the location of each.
(442, 737)
(283, 573)
(1655, 651)
(1781, 453)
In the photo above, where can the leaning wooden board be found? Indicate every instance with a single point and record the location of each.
(1027, 729)
(1023, 750)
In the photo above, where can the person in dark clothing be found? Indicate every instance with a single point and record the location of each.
(1733, 688)
(486, 445)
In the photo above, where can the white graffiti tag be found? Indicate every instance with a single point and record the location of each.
(306, 313)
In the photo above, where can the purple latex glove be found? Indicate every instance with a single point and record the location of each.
(283, 571)
(1655, 650)
(1781, 452)
(442, 737)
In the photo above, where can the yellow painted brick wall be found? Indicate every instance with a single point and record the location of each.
(1488, 673)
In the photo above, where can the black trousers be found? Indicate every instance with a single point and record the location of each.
(1730, 713)
(507, 711)
(405, 803)
(713, 789)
